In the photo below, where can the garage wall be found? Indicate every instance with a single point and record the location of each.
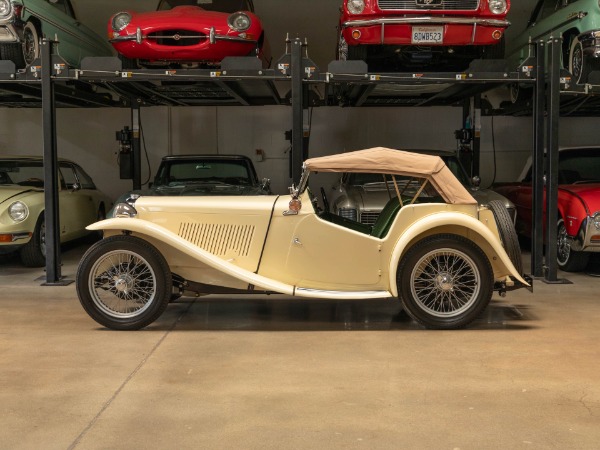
(88, 136)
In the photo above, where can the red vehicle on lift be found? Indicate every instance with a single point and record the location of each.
(400, 34)
(188, 32)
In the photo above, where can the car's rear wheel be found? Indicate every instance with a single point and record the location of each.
(568, 259)
(508, 234)
(33, 254)
(579, 65)
(124, 283)
(31, 43)
(445, 281)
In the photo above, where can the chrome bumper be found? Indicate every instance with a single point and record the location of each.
(212, 37)
(426, 20)
(8, 33)
(583, 241)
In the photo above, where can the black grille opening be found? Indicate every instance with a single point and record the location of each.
(177, 38)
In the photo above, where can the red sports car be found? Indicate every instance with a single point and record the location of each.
(188, 31)
(578, 205)
(401, 34)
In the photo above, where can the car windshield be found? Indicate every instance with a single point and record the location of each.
(23, 173)
(579, 166)
(227, 6)
(185, 173)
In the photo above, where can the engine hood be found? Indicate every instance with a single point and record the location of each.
(588, 193)
(13, 192)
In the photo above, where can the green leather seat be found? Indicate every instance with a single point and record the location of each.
(385, 219)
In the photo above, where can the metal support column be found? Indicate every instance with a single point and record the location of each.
(51, 218)
(136, 147)
(537, 235)
(551, 166)
(476, 145)
(297, 110)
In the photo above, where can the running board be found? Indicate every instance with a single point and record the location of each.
(340, 295)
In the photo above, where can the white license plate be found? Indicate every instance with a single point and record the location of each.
(428, 35)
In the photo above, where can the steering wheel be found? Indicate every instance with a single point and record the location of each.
(325, 201)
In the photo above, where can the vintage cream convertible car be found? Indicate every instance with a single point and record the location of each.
(433, 247)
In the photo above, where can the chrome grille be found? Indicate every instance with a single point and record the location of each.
(347, 213)
(369, 217)
(219, 239)
(443, 4)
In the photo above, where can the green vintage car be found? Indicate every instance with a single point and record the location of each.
(24, 22)
(577, 21)
(22, 226)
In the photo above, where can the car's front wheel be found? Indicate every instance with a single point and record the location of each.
(33, 254)
(445, 281)
(579, 65)
(124, 283)
(568, 259)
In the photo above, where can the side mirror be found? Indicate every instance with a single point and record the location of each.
(265, 184)
(75, 187)
(476, 182)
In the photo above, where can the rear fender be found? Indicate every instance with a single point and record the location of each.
(448, 220)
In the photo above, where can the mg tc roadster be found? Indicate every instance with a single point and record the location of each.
(432, 247)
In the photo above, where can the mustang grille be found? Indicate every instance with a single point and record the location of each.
(219, 239)
(369, 217)
(177, 38)
(424, 4)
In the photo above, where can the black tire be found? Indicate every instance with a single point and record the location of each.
(128, 63)
(358, 53)
(95, 236)
(123, 283)
(508, 234)
(495, 51)
(579, 65)
(567, 259)
(445, 281)
(33, 254)
(31, 43)
(14, 53)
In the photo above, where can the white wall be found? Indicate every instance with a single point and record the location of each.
(87, 136)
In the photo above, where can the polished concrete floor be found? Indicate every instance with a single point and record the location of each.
(282, 373)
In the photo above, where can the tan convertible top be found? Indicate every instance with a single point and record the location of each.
(396, 162)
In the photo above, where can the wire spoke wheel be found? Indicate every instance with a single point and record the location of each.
(124, 283)
(445, 281)
(563, 247)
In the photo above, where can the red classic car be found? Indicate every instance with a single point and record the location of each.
(188, 31)
(423, 33)
(578, 205)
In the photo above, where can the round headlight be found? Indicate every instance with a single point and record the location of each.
(596, 220)
(5, 8)
(355, 6)
(120, 21)
(239, 21)
(497, 6)
(18, 211)
(124, 210)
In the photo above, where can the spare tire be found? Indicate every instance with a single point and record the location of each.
(508, 234)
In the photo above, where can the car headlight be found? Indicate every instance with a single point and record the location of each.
(6, 8)
(239, 21)
(120, 21)
(497, 6)
(596, 220)
(124, 210)
(355, 6)
(18, 211)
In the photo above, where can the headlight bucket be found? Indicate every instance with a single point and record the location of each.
(6, 8)
(596, 220)
(120, 21)
(18, 211)
(124, 210)
(239, 21)
(497, 6)
(355, 6)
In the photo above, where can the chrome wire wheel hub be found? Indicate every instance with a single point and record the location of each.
(122, 284)
(577, 62)
(445, 282)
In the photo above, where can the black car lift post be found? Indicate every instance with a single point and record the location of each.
(51, 208)
(297, 109)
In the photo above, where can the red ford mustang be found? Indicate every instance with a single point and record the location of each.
(578, 205)
(422, 33)
(188, 31)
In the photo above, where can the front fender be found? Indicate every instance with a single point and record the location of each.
(162, 234)
(446, 219)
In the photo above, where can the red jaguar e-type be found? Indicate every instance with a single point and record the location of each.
(188, 31)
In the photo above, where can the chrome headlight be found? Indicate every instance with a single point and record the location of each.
(125, 210)
(120, 21)
(596, 220)
(355, 6)
(18, 211)
(497, 6)
(239, 21)
(6, 8)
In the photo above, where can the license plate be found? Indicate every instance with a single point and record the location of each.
(428, 35)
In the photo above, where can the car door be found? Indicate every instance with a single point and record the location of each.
(77, 207)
